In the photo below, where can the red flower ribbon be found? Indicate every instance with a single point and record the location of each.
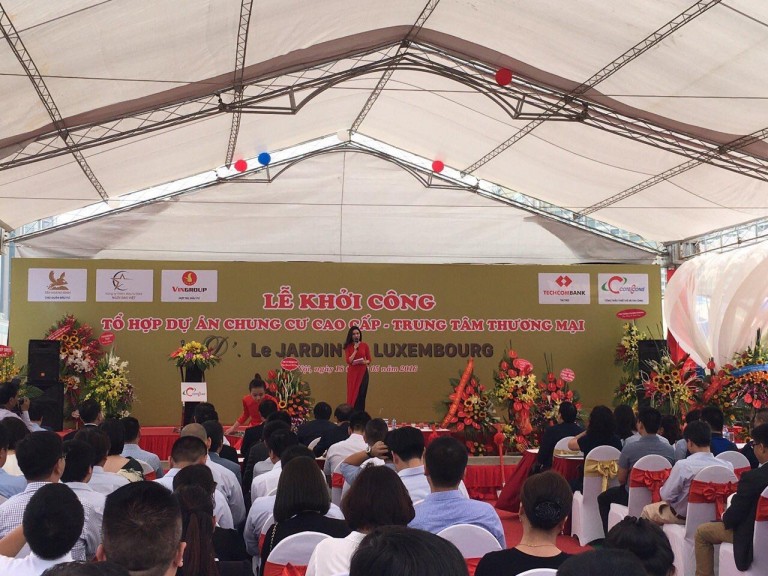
(710, 492)
(740, 471)
(651, 479)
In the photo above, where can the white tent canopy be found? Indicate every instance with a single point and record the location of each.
(624, 126)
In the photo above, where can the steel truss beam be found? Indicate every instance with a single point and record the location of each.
(636, 51)
(24, 58)
(237, 82)
(723, 240)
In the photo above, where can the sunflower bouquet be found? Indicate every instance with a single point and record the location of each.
(672, 387)
(79, 351)
(626, 356)
(292, 393)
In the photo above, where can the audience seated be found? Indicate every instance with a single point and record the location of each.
(545, 503)
(205, 412)
(132, 430)
(337, 434)
(52, 522)
(89, 412)
(116, 463)
(16, 430)
(258, 461)
(191, 451)
(444, 463)
(354, 443)
(681, 450)
(626, 422)
(738, 523)
(227, 542)
(648, 423)
(86, 569)
(406, 552)
(376, 453)
(264, 506)
(601, 431)
(713, 416)
(77, 472)
(674, 493)
(602, 563)
(566, 426)
(277, 442)
(215, 432)
(42, 461)
(142, 530)
(9, 483)
(670, 429)
(645, 540)
(760, 418)
(377, 498)
(101, 480)
(226, 481)
(36, 413)
(197, 524)
(254, 433)
(301, 505)
(407, 447)
(9, 396)
(321, 424)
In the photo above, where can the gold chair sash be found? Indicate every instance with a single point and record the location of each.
(567, 453)
(606, 469)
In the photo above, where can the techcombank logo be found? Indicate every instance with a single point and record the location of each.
(622, 288)
(564, 288)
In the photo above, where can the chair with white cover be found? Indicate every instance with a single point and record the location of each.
(147, 471)
(539, 572)
(645, 480)
(314, 443)
(562, 446)
(292, 554)
(337, 485)
(740, 462)
(473, 542)
(759, 545)
(600, 473)
(706, 501)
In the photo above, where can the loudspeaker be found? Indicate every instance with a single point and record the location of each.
(51, 403)
(44, 360)
(647, 351)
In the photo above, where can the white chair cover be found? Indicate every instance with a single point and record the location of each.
(759, 565)
(295, 550)
(681, 538)
(562, 444)
(739, 461)
(314, 443)
(145, 467)
(539, 572)
(472, 541)
(639, 496)
(585, 516)
(336, 491)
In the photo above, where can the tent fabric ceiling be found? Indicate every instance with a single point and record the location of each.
(137, 85)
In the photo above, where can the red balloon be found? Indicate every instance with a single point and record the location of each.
(438, 166)
(241, 165)
(504, 76)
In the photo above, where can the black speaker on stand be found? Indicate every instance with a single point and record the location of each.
(44, 374)
(647, 351)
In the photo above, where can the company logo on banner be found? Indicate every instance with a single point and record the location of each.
(57, 285)
(564, 288)
(194, 392)
(189, 286)
(124, 285)
(622, 288)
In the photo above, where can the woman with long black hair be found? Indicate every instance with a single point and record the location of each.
(358, 357)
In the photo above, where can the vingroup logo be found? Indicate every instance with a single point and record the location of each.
(189, 278)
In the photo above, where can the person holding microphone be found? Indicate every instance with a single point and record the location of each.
(358, 357)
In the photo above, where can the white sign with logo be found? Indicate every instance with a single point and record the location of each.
(564, 288)
(57, 285)
(189, 286)
(194, 392)
(124, 285)
(622, 288)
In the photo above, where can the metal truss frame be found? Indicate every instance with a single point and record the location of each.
(237, 82)
(723, 240)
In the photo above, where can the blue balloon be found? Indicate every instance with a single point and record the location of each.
(264, 158)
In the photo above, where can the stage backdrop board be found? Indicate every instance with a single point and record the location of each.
(419, 320)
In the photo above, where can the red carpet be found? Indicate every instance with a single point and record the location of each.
(513, 530)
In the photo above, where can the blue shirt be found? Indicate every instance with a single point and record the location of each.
(10, 484)
(719, 444)
(133, 451)
(440, 510)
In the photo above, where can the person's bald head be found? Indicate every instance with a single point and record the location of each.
(196, 430)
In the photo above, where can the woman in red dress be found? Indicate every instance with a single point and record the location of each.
(257, 393)
(358, 357)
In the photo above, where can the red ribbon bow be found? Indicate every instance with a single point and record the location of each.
(762, 510)
(709, 492)
(284, 570)
(651, 479)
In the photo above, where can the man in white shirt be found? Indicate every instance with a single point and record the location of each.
(190, 451)
(354, 443)
(52, 522)
(9, 392)
(101, 480)
(77, 473)
(226, 481)
(277, 442)
(674, 493)
(131, 448)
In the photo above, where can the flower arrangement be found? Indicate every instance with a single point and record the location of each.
(517, 389)
(745, 381)
(292, 393)
(626, 356)
(194, 354)
(471, 410)
(553, 391)
(673, 387)
(79, 351)
(110, 387)
(8, 368)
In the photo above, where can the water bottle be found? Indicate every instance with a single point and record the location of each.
(394, 423)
